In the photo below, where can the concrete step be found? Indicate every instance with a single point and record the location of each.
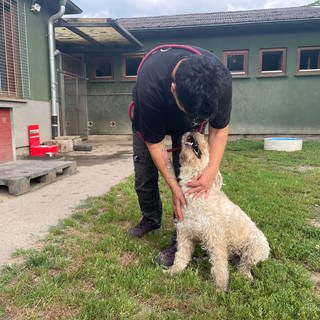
(25, 175)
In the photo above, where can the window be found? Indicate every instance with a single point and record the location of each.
(14, 66)
(103, 69)
(308, 60)
(272, 62)
(237, 62)
(130, 65)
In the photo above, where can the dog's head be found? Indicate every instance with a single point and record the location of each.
(194, 150)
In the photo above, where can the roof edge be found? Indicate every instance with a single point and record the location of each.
(221, 12)
(73, 8)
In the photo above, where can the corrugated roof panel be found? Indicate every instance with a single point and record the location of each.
(65, 35)
(103, 34)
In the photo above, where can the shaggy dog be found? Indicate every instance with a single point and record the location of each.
(221, 227)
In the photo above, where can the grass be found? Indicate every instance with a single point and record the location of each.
(89, 269)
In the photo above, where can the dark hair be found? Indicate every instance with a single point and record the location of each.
(198, 86)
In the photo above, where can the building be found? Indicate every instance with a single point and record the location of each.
(24, 71)
(273, 54)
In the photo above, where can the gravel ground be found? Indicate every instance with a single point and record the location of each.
(25, 219)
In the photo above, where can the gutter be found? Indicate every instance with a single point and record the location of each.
(53, 76)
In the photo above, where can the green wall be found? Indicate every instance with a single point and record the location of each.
(37, 34)
(282, 105)
(108, 101)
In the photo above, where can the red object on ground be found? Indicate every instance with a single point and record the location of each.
(37, 149)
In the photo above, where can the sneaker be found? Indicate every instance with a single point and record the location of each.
(142, 228)
(166, 257)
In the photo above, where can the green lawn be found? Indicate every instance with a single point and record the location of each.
(90, 269)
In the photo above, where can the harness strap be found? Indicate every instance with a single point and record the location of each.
(131, 110)
(167, 46)
(174, 149)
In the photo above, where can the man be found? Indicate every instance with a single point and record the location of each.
(178, 88)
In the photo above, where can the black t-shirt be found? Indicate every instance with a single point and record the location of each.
(156, 113)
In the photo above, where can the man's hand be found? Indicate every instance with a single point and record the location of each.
(201, 184)
(179, 203)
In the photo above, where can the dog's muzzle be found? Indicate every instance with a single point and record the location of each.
(193, 144)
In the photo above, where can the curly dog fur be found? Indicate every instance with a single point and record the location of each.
(220, 226)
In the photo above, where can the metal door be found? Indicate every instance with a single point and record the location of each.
(6, 147)
(73, 97)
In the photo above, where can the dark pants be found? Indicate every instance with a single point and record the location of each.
(146, 178)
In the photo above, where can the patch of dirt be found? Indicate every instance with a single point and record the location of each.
(305, 168)
(315, 278)
(315, 223)
(127, 260)
(84, 161)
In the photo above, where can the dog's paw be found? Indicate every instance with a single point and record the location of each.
(223, 288)
(168, 271)
(247, 274)
(172, 271)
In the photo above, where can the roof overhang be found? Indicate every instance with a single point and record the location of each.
(92, 34)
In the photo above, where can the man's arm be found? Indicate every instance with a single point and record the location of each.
(162, 162)
(217, 142)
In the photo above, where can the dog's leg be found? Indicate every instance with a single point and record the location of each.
(183, 254)
(219, 269)
(257, 249)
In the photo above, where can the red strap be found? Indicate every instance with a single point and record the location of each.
(131, 110)
(167, 46)
(202, 124)
(174, 149)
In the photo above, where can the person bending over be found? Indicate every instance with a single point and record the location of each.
(177, 90)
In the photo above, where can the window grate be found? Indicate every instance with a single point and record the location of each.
(24, 53)
(14, 62)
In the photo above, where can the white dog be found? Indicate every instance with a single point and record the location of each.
(219, 225)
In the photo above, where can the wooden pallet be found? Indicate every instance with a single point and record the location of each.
(25, 175)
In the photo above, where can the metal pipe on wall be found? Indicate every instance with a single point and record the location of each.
(53, 77)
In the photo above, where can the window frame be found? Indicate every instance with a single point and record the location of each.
(245, 54)
(94, 69)
(306, 72)
(124, 69)
(273, 73)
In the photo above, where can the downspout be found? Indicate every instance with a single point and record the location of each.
(53, 76)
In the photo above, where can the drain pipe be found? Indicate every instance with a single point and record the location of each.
(53, 76)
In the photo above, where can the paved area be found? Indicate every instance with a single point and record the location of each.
(26, 218)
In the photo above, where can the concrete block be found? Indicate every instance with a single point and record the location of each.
(64, 145)
(75, 139)
(283, 144)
